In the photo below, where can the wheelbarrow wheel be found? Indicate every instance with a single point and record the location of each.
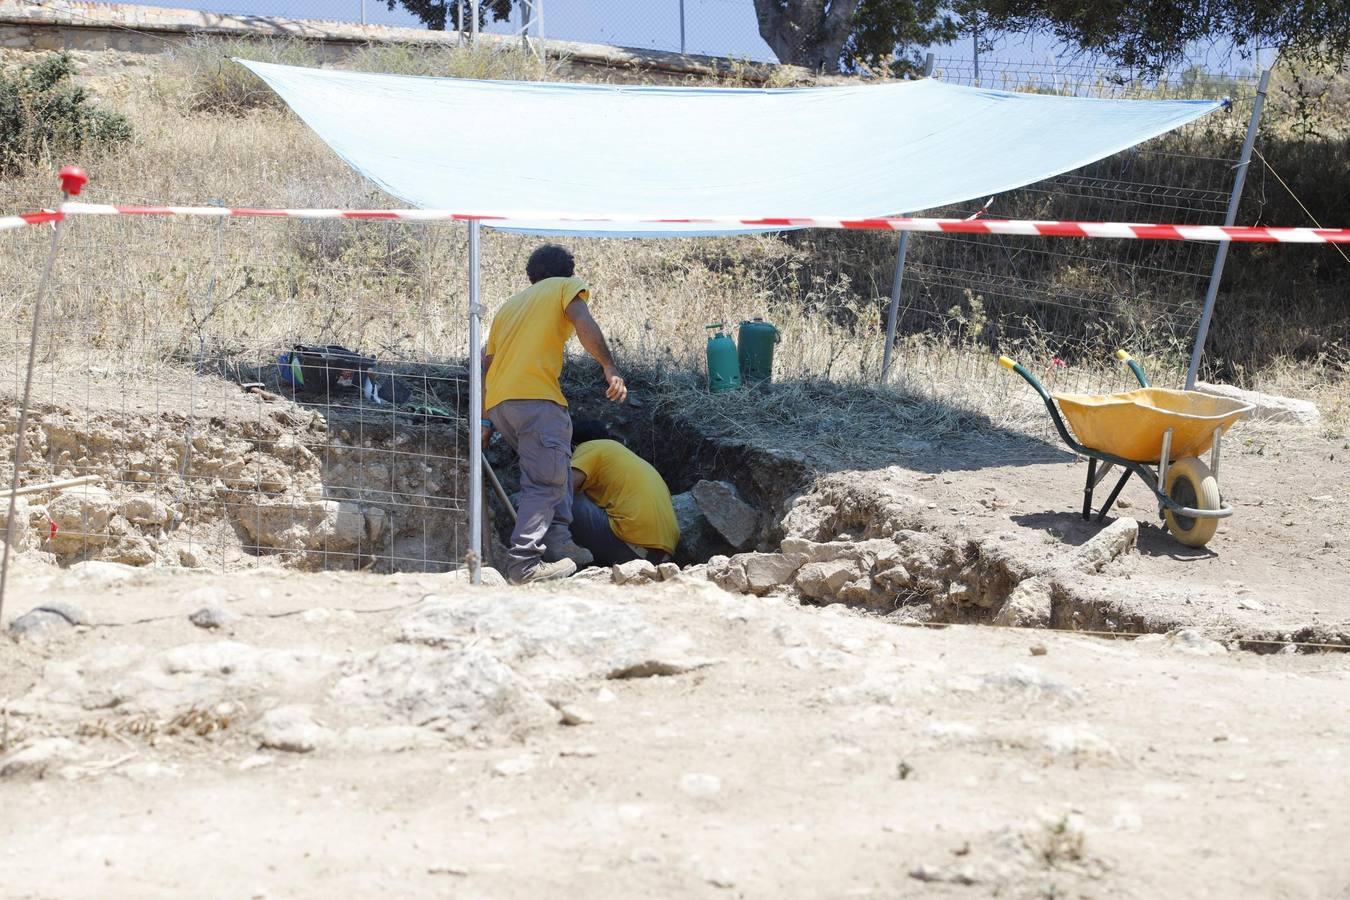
(1190, 483)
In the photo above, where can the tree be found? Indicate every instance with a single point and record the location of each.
(1151, 34)
(436, 14)
(835, 35)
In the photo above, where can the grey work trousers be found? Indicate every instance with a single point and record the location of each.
(591, 528)
(540, 431)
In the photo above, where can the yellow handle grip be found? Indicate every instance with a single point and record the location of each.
(1007, 362)
(1123, 356)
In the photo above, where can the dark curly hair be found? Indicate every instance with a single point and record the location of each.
(549, 261)
(584, 430)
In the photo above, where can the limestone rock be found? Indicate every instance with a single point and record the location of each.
(81, 516)
(1028, 606)
(38, 623)
(211, 617)
(573, 635)
(636, 571)
(1268, 407)
(667, 571)
(698, 539)
(291, 729)
(454, 690)
(575, 715)
(1111, 542)
(730, 516)
(143, 511)
(52, 615)
(765, 571)
(374, 523)
(40, 757)
(290, 522)
(824, 580)
(25, 538)
(728, 574)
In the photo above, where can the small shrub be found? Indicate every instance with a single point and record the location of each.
(213, 82)
(43, 115)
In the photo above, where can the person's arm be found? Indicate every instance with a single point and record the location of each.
(578, 480)
(593, 340)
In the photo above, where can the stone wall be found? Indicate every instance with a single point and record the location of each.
(72, 25)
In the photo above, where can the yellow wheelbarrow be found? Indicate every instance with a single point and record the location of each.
(1147, 428)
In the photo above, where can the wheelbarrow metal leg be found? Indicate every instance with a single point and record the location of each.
(1115, 492)
(1214, 454)
(1162, 467)
(1087, 488)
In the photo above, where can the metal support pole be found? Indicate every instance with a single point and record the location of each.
(23, 406)
(1221, 255)
(893, 313)
(363, 12)
(475, 411)
(898, 279)
(473, 24)
(539, 23)
(682, 26)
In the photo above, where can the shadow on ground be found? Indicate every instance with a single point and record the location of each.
(1070, 528)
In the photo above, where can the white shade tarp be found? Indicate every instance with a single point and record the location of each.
(853, 151)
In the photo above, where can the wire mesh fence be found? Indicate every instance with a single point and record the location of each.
(158, 369)
(160, 383)
(1066, 305)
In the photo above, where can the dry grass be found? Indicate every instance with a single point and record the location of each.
(135, 293)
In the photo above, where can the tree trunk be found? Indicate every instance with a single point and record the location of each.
(810, 33)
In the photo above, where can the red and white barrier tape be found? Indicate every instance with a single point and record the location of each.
(1016, 227)
(37, 218)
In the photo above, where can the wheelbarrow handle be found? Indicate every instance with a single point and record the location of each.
(1137, 369)
(1008, 362)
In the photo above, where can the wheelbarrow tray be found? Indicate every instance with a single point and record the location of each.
(1130, 425)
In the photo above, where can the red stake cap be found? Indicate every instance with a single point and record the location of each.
(73, 179)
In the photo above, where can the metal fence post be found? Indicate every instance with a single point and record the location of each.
(475, 410)
(893, 313)
(1216, 275)
(44, 285)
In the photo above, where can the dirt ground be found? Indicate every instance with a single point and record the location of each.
(1280, 566)
(787, 751)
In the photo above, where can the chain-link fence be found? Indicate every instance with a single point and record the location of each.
(170, 398)
(1065, 305)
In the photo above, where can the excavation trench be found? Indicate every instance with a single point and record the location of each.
(263, 480)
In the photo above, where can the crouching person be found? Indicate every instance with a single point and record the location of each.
(524, 401)
(621, 507)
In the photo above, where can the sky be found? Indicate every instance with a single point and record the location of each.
(711, 27)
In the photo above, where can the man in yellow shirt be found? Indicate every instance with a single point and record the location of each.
(524, 401)
(621, 508)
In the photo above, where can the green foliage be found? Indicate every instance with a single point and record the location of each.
(43, 116)
(213, 82)
(438, 14)
(885, 31)
(1151, 34)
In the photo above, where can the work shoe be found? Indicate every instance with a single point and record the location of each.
(571, 550)
(545, 571)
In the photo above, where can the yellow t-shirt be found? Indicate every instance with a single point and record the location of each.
(630, 491)
(526, 342)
